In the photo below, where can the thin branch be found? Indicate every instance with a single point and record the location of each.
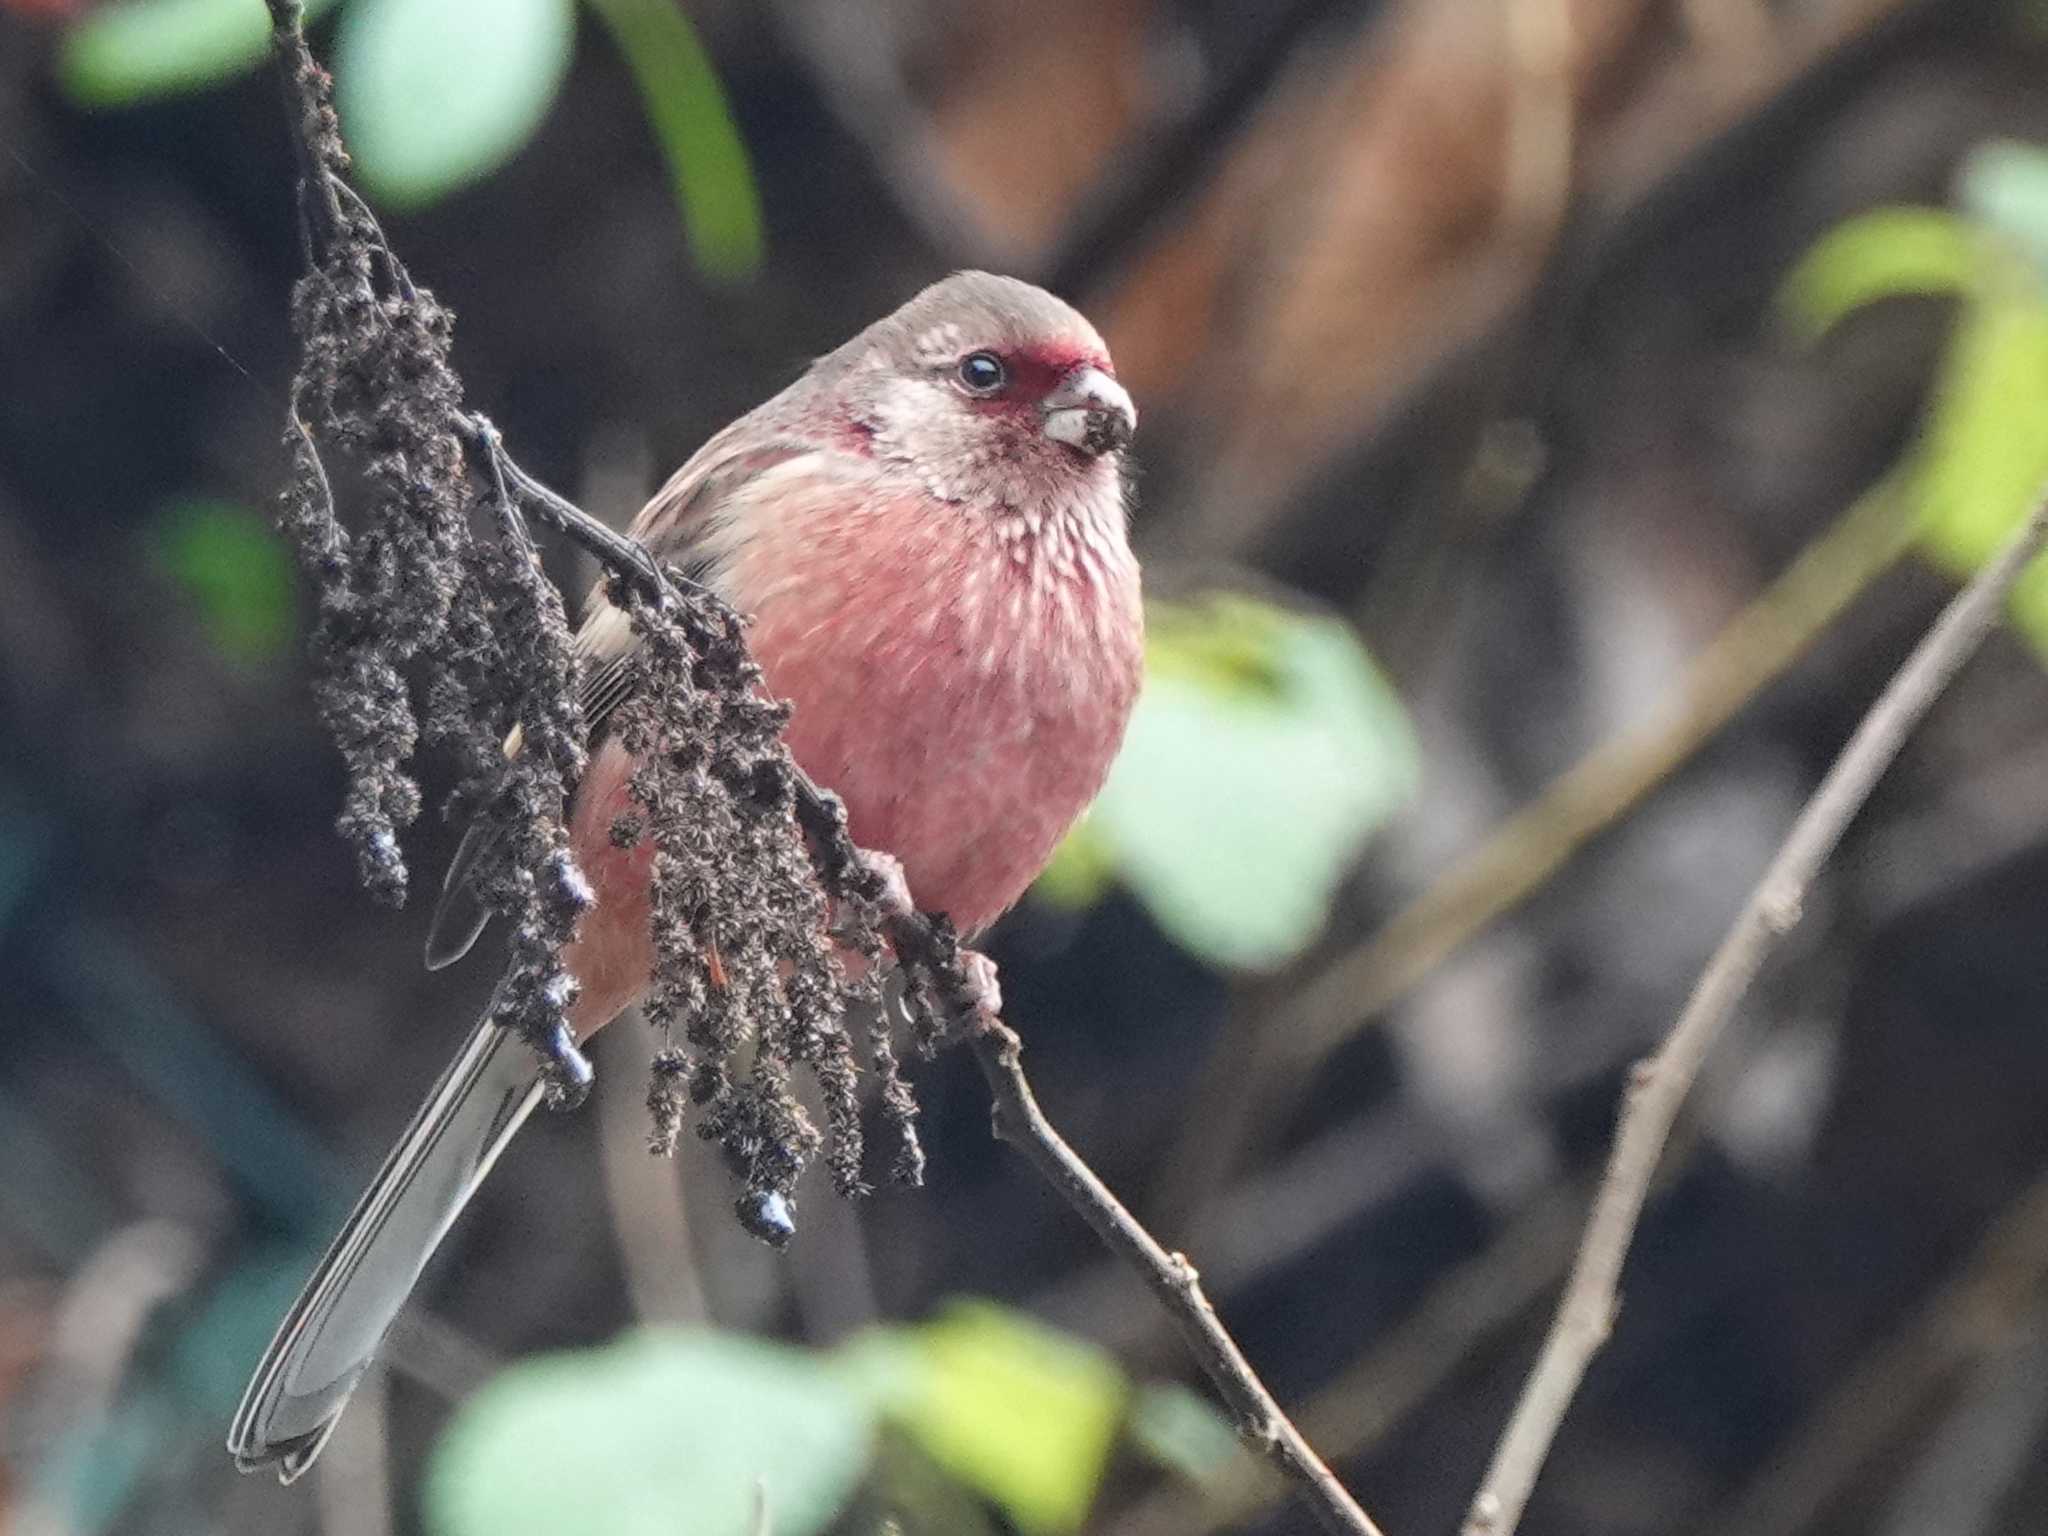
(1372, 1396)
(954, 984)
(1658, 1086)
(1169, 1276)
(610, 548)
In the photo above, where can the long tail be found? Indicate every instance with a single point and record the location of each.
(328, 1338)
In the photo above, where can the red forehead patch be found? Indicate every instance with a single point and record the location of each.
(1036, 370)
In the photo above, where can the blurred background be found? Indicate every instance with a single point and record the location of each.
(1559, 418)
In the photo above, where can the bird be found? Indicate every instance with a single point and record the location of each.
(929, 533)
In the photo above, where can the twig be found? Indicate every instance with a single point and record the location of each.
(957, 983)
(352, 1490)
(1374, 1395)
(604, 543)
(1658, 1085)
(926, 946)
(1169, 1276)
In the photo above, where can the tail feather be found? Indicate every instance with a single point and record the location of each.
(333, 1330)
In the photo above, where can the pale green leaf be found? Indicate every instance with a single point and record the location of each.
(234, 570)
(1023, 1414)
(2004, 186)
(1882, 254)
(435, 94)
(137, 50)
(1264, 749)
(707, 161)
(667, 1431)
(1984, 455)
(1082, 870)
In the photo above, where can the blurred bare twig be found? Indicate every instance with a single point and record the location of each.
(1755, 648)
(1536, 169)
(1357, 254)
(846, 47)
(97, 1330)
(1658, 1086)
(1747, 656)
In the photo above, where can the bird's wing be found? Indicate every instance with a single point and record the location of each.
(683, 523)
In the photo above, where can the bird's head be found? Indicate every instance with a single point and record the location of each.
(990, 389)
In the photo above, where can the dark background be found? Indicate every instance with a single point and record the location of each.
(1540, 438)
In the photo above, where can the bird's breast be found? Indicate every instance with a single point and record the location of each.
(961, 681)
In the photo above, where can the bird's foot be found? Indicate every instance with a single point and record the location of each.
(984, 989)
(887, 872)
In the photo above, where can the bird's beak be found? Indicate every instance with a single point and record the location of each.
(1090, 411)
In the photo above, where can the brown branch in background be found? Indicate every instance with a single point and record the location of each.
(352, 1485)
(1751, 652)
(1536, 161)
(1350, 260)
(1658, 1086)
(949, 986)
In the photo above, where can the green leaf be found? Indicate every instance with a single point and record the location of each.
(2004, 186)
(1082, 870)
(707, 161)
(436, 94)
(1984, 453)
(1016, 1410)
(1264, 750)
(1882, 254)
(665, 1431)
(234, 569)
(136, 50)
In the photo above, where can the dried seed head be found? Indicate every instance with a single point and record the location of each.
(408, 586)
(764, 921)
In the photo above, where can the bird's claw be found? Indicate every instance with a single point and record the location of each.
(887, 871)
(647, 571)
(984, 988)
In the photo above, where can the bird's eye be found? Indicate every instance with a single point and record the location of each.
(983, 372)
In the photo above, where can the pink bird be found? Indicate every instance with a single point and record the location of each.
(929, 531)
